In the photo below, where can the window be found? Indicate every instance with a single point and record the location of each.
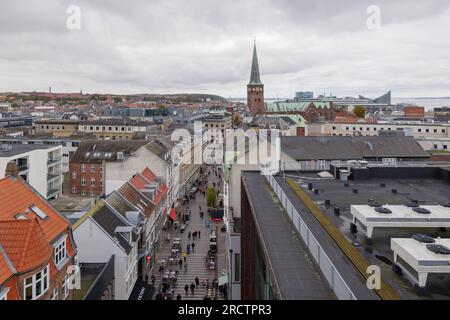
(92, 168)
(65, 287)
(83, 181)
(443, 130)
(83, 168)
(4, 294)
(59, 252)
(445, 147)
(92, 181)
(74, 190)
(54, 294)
(435, 130)
(334, 128)
(420, 130)
(36, 285)
(428, 130)
(74, 175)
(83, 193)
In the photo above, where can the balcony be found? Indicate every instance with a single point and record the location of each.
(53, 193)
(53, 161)
(53, 176)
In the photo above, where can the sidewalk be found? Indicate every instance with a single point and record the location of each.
(195, 260)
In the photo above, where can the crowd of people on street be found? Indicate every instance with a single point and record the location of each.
(199, 187)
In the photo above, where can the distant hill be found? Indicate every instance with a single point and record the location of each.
(184, 97)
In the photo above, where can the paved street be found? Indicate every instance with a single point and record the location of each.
(195, 260)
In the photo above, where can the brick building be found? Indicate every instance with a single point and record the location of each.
(87, 165)
(36, 246)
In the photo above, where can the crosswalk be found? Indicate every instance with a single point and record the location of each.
(196, 264)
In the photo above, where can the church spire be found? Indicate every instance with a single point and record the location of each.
(254, 77)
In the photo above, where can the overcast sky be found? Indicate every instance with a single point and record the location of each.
(169, 46)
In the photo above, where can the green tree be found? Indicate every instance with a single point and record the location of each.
(359, 111)
(211, 197)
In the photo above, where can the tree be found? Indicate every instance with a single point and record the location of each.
(211, 197)
(237, 120)
(359, 111)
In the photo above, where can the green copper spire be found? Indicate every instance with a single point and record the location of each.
(254, 77)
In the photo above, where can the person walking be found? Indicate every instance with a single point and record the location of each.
(194, 235)
(180, 262)
(185, 267)
(189, 235)
(193, 247)
(197, 282)
(153, 280)
(179, 297)
(186, 289)
(198, 232)
(184, 259)
(188, 247)
(192, 288)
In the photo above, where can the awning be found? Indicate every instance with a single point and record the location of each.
(223, 279)
(173, 214)
(217, 215)
(142, 291)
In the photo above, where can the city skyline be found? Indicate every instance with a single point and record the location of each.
(197, 48)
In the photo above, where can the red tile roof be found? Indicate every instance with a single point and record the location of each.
(5, 270)
(17, 198)
(137, 199)
(148, 174)
(25, 244)
(139, 181)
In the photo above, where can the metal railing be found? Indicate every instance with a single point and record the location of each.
(335, 280)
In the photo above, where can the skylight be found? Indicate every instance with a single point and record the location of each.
(41, 214)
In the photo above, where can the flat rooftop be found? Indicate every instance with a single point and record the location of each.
(296, 275)
(426, 191)
(16, 149)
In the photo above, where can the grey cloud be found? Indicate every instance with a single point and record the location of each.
(167, 46)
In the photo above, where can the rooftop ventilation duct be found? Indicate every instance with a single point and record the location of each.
(423, 238)
(438, 249)
(383, 210)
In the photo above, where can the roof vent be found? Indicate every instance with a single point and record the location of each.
(438, 249)
(422, 210)
(383, 210)
(423, 238)
(120, 156)
(412, 205)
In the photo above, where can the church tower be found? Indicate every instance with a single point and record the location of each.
(255, 88)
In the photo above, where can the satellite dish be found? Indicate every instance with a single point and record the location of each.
(424, 238)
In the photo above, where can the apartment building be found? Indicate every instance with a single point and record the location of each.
(37, 249)
(90, 164)
(38, 165)
(414, 129)
(118, 129)
(102, 233)
(69, 144)
(58, 127)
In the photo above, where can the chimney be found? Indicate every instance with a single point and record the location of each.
(12, 170)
